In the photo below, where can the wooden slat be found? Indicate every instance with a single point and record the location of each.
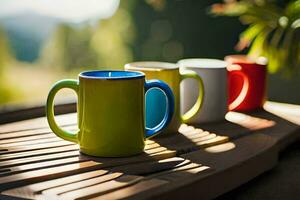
(68, 188)
(37, 157)
(17, 134)
(42, 174)
(28, 148)
(185, 173)
(99, 189)
(152, 166)
(250, 122)
(288, 112)
(33, 191)
(37, 123)
(33, 142)
(189, 139)
(39, 152)
(140, 188)
(24, 133)
(40, 165)
(25, 139)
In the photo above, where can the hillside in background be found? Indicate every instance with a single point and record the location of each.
(27, 33)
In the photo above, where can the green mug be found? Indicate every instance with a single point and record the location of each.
(111, 112)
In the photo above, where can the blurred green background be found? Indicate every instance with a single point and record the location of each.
(36, 50)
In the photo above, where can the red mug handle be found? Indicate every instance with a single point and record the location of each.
(236, 70)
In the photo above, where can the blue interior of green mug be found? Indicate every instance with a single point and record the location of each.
(111, 74)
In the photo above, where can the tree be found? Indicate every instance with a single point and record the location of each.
(69, 48)
(113, 39)
(5, 59)
(5, 52)
(108, 43)
(273, 32)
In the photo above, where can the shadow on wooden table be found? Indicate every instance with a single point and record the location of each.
(254, 142)
(202, 161)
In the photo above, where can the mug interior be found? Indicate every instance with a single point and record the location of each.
(111, 74)
(151, 66)
(203, 63)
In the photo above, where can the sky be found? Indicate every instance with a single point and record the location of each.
(68, 10)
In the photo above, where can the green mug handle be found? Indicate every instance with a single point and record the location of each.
(66, 135)
(196, 107)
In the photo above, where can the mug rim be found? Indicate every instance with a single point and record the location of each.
(95, 74)
(151, 66)
(244, 59)
(203, 63)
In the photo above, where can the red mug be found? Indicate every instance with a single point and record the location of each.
(246, 92)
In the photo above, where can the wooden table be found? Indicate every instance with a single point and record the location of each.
(200, 162)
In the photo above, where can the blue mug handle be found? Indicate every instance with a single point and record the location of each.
(150, 132)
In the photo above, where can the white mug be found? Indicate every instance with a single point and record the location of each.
(214, 75)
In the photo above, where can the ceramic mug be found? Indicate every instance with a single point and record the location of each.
(214, 75)
(111, 112)
(256, 73)
(169, 73)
